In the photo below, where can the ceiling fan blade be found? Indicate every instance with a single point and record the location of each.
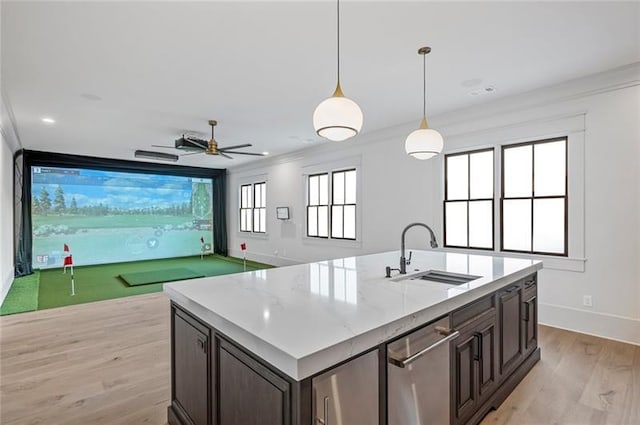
(165, 147)
(225, 155)
(246, 145)
(246, 153)
(192, 153)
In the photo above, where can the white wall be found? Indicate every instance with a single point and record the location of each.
(8, 147)
(397, 190)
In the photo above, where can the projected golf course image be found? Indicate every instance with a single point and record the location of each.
(109, 217)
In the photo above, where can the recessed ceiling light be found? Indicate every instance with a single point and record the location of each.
(48, 120)
(265, 153)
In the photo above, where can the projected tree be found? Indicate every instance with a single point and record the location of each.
(45, 201)
(58, 201)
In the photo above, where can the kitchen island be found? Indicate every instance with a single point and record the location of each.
(314, 343)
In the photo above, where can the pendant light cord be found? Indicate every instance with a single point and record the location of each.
(424, 85)
(338, 38)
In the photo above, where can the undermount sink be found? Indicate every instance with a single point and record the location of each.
(443, 277)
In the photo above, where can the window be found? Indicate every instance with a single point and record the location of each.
(318, 206)
(260, 207)
(253, 207)
(331, 208)
(468, 200)
(534, 197)
(343, 205)
(246, 208)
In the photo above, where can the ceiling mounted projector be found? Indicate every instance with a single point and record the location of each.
(156, 155)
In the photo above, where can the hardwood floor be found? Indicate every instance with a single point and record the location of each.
(108, 363)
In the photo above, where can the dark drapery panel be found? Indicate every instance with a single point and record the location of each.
(220, 215)
(22, 215)
(26, 159)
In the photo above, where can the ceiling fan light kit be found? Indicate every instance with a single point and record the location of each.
(424, 143)
(338, 118)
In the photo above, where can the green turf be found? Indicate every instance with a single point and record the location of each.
(102, 282)
(22, 296)
(161, 275)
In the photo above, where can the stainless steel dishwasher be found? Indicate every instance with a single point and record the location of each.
(418, 373)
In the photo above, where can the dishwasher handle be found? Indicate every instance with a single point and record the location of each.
(449, 335)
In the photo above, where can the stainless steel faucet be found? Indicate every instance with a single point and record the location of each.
(403, 259)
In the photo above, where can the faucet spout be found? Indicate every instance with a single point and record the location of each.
(403, 259)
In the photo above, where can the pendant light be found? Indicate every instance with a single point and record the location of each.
(424, 143)
(337, 118)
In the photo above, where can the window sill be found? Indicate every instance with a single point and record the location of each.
(251, 235)
(551, 262)
(343, 243)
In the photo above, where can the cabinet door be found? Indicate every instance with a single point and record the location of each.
(190, 369)
(530, 320)
(509, 308)
(249, 393)
(465, 356)
(487, 359)
(348, 394)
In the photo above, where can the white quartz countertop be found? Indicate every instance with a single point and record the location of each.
(303, 319)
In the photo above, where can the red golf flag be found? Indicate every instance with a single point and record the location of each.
(243, 246)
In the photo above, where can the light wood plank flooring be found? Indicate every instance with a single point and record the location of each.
(108, 363)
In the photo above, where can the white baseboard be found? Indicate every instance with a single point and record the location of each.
(7, 281)
(264, 258)
(609, 326)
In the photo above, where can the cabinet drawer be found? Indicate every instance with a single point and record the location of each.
(473, 311)
(530, 282)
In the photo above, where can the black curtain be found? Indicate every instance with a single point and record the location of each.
(26, 159)
(22, 216)
(220, 215)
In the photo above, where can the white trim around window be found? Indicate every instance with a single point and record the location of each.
(251, 183)
(570, 126)
(329, 168)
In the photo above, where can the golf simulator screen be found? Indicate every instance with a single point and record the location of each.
(109, 217)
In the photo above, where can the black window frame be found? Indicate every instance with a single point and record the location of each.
(244, 208)
(343, 205)
(318, 205)
(256, 209)
(252, 208)
(468, 200)
(533, 196)
(330, 204)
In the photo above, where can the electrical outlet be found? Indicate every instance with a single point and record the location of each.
(587, 301)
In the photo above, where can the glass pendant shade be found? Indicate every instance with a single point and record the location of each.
(424, 143)
(337, 118)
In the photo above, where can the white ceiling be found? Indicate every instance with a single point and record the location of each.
(260, 68)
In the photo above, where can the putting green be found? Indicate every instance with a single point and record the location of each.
(156, 276)
(102, 282)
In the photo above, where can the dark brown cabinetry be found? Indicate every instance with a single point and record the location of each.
(191, 369)
(474, 358)
(217, 382)
(530, 316)
(511, 338)
(249, 393)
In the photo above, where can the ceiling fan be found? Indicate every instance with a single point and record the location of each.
(193, 145)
